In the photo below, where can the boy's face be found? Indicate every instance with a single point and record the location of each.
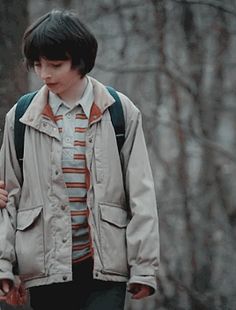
(58, 75)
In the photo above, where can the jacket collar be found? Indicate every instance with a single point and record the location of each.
(40, 111)
(102, 100)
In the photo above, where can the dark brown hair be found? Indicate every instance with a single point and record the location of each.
(60, 35)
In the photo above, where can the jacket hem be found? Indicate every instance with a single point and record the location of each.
(98, 275)
(55, 278)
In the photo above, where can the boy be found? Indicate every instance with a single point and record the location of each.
(82, 219)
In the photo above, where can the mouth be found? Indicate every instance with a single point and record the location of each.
(51, 84)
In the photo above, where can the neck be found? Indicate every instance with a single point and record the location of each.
(75, 92)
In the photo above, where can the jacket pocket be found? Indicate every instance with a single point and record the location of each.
(113, 223)
(30, 243)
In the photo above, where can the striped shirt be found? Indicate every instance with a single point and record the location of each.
(72, 124)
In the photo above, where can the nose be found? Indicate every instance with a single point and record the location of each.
(45, 73)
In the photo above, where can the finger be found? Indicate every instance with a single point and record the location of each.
(2, 184)
(5, 286)
(2, 294)
(3, 204)
(3, 198)
(3, 194)
(143, 292)
(12, 297)
(16, 297)
(23, 293)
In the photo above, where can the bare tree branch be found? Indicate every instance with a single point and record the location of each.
(202, 300)
(107, 9)
(201, 139)
(213, 4)
(119, 70)
(149, 69)
(215, 146)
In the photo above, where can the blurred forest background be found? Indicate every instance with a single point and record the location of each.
(177, 61)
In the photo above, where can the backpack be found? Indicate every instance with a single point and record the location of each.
(116, 113)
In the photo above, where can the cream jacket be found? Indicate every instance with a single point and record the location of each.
(35, 228)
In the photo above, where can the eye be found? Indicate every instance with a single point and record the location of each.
(56, 66)
(37, 64)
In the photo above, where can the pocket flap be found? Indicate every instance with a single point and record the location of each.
(114, 215)
(26, 217)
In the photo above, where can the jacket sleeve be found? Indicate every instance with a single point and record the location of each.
(143, 228)
(11, 175)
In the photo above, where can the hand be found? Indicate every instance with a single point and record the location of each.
(139, 291)
(15, 295)
(3, 195)
(5, 286)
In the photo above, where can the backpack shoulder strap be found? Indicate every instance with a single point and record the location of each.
(19, 128)
(117, 118)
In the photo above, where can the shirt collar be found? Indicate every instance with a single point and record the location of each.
(85, 101)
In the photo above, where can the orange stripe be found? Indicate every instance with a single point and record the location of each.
(78, 226)
(75, 261)
(80, 116)
(91, 248)
(77, 199)
(79, 143)
(58, 118)
(74, 170)
(75, 185)
(79, 156)
(80, 129)
(76, 213)
(81, 246)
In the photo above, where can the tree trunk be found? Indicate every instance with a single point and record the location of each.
(13, 78)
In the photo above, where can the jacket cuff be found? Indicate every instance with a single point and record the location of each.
(146, 280)
(144, 275)
(6, 270)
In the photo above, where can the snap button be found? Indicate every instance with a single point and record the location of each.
(64, 278)
(90, 140)
(64, 240)
(63, 207)
(67, 139)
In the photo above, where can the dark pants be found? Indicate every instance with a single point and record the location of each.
(83, 293)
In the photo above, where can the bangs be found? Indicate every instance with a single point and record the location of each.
(41, 45)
